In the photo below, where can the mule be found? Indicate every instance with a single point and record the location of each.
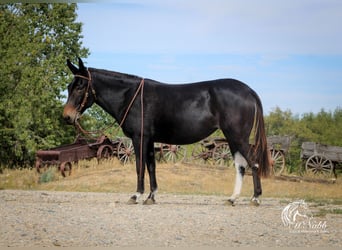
(149, 111)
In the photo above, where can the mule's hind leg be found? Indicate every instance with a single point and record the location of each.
(240, 166)
(257, 186)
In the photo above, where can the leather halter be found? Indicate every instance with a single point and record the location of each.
(86, 95)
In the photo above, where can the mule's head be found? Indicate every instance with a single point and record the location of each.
(79, 93)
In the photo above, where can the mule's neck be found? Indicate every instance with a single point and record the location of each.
(114, 91)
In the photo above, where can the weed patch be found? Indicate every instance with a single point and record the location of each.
(48, 176)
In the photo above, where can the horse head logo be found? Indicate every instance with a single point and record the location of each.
(295, 212)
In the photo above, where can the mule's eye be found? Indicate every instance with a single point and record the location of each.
(80, 85)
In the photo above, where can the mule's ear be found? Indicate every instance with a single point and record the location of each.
(81, 65)
(73, 68)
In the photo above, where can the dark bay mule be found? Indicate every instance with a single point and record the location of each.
(150, 111)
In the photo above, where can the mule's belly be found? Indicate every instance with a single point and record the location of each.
(184, 132)
(183, 139)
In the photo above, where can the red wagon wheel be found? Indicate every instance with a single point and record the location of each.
(319, 165)
(278, 158)
(104, 152)
(38, 165)
(65, 167)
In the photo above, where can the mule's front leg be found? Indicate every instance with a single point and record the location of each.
(151, 167)
(140, 186)
(140, 169)
(257, 187)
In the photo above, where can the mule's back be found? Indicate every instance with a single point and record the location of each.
(187, 113)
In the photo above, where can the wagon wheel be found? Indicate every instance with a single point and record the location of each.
(173, 153)
(65, 167)
(278, 159)
(104, 152)
(158, 152)
(125, 151)
(41, 167)
(201, 155)
(319, 165)
(38, 165)
(222, 155)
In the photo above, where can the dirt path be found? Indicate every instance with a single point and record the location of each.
(39, 218)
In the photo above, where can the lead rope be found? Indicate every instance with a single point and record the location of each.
(141, 89)
(141, 127)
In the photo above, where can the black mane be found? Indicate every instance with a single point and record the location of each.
(114, 74)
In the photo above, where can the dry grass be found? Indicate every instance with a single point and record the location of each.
(111, 176)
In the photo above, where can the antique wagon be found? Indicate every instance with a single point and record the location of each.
(64, 156)
(321, 159)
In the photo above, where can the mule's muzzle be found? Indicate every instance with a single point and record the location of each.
(70, 114)
(69, 120)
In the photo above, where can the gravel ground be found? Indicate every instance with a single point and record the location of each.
(40, 218)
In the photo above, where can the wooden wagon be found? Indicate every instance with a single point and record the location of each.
(321, 159)
(63, 156)
(279, 147)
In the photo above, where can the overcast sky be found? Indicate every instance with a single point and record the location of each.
(289, 52)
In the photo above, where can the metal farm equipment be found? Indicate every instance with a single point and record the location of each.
(64, 156)
(321, 159)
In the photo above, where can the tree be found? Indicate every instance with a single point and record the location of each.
(326, 126)
(35, 41)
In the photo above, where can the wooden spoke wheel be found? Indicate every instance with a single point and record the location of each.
(222, 155)
(319, 165)
(158, 152)
(173, 153)
(278, 159)
(125, 151)
(201, 155)
(104, 152)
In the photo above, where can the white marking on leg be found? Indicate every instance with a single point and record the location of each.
(239, 161)
(154, 192)
(137, 194)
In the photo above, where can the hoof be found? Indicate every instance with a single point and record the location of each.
(132, 201)
(149, 201)
(230, 202)
(255, 202)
